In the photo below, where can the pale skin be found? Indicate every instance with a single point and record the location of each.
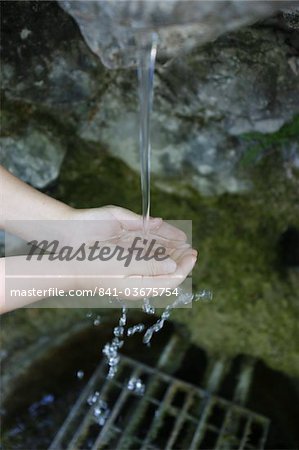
(20, 202)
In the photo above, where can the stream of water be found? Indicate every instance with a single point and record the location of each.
(147, 51)
(146, 65)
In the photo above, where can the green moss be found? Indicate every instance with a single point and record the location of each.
(258, 143)
(254, 305)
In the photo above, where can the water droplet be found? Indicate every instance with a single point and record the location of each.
(118, 331)
(135, 329)
(123, 318)
(165, 314)
(148, 336)
(80, 374)
(136, 385)
(97, 321)
(101, 411)
(93, 398)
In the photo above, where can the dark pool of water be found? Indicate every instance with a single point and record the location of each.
(42, 398)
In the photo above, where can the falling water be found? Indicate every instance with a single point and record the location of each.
(146, 65)
(111, 349)
(147, 49)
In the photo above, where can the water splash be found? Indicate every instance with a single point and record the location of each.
(111, 350)
(183, 298)
(204, 296)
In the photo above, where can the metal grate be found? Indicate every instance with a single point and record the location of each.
(172, 414)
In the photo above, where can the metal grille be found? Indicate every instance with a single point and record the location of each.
(172, 414)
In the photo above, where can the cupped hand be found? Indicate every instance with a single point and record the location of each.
(114, 221)
(112, 225)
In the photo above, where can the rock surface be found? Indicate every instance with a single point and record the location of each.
(111, 28)
(205, 101)
(35, 156)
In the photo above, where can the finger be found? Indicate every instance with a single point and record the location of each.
(151, 268)
(171, 233)
(186, 264)
(171, 280)
(178, 251)
(136, 283)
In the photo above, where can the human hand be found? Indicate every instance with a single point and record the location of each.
(112, 225)
(37, 218)
(116, 220)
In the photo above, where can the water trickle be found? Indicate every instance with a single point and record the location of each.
(146, 64)
(135, 329)
(147, 308)
(111, 349)
(183, 298)
(123, 318)
(156, 327)
(119, 331)
(111, 352)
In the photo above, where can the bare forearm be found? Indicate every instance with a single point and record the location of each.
(22, 202)
(17, 291)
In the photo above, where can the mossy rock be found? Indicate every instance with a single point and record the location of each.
(255, 298)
